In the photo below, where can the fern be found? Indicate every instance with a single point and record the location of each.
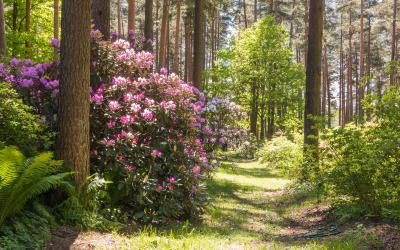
(23, 179)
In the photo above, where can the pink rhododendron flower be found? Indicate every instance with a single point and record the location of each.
(121, 44)
(149, 101)
(98, 98)
(128, 97)
(125, 119)
(156, 153)
(144, 60)
(136, 107)
(148, 115)
(159, 187)
(168, 105)
(171, 179)
(120, 81)
(114, 105)
(129, 167)
(26, 83)
(196, 170)
(111, 124)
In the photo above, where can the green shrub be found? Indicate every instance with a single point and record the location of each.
(19, 126)
(22, 179)
(361, 164)
(283, 154)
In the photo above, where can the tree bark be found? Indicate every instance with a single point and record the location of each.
(73, 137)
(175, 67)
(324, 82)
(349, 104)
(3, 44)
(119, 17)
(393, 74)
(27, 24)
(131, 15)
(56, 24)
(163, 40)
(254, 109)
(255, 10)
(148, 23)
(313, 81)
(101, 17)
(198, 45)
(306, 28)
(245, 14)
(362, 66)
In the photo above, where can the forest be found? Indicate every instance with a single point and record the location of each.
(199, 124)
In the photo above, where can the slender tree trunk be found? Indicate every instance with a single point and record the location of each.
(157, 34)
(175, 68)
(187, 48)
(56, 24)
(313, 82)
(131, 15)
(119, 17)
(148, 23)
(306, 28)
(101, 16)
(73, 136)
(245, 14)
(349, 112)
(27, 24)
(262, 129)
(254, 109)
(357, 88)
(368, 113)
(393, 74)
(255, 10)
(271, 7)
(198, 47)
(14, 24)
(324, 82)
(362, 66)
(3, 44)
(163, 39)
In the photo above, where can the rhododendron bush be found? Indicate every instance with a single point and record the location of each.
(224, 117)
(148, 136)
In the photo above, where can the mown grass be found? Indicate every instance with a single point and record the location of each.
(248, 212)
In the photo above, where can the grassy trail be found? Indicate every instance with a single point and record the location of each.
(250, 210)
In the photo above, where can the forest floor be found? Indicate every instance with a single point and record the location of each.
(252, 208)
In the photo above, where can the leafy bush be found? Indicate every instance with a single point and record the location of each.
(28, 230)
(148, 136)
(23, 179)
(283, 154)
(19, 125)
(362, 163)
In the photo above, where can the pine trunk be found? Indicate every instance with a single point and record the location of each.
(313, 81)
(175, 67)
(148, 23)
(198, 45)
(131, 15)
(362, 66)
(101, 16)
(163, 39)
(56, 24)
(349, 104)
(3, 44)
(27, 24)
(73, 137)
(393, 74)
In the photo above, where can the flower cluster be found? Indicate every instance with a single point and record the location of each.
(223, 116)
(37, 83)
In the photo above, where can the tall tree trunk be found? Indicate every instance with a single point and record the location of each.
(349, 104)
(393, 74)
(368, 113)
(157, 35)
(148, 23)
(245, 14)
(14, 24)
(198, 45)
(27, 24)
(313, 82)
(56, 24)
(163, 39)
(255, 10)
(188, 55)
(306, 29)
(3, 44)
(73, 137)
(131, 15)
(324, 82)
(101, 16)
(271, 7)
(254, 109)
(175, 67)
(362, 66)
(119, 17)
(342, 103)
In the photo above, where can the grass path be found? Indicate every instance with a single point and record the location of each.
(250, 210)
